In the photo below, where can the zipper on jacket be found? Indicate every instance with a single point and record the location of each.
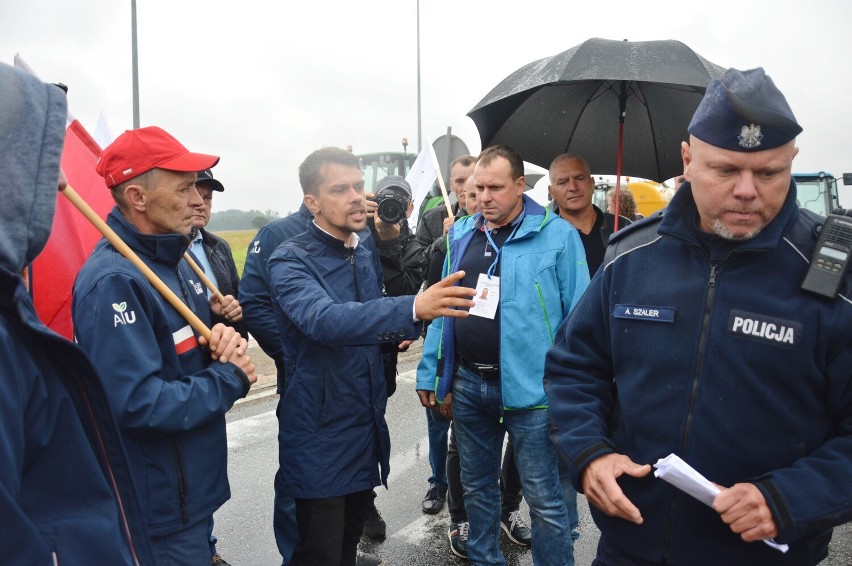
(544, 311)
(187, 297)
(181, 481)
(702, 343)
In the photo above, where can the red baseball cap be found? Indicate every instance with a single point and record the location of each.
(136, 151)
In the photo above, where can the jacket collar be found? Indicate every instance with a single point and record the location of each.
(166, 248)
(680, 218)
(534, 219)
(331, 241)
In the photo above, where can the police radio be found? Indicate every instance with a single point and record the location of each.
(831, 258)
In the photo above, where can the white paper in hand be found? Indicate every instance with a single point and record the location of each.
(675, 471)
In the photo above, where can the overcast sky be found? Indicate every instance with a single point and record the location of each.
(265, 83)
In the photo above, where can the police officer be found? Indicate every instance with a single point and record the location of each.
(678, 319)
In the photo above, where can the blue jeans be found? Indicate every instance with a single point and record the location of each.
(477, 414)
(211, 539)
(438, 428)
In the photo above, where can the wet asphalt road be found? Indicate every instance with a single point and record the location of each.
(244, 524)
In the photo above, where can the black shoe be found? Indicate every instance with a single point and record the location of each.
(515, 528)
(374, 526)
(218, 560)
(367, 559)
(434, 500)
(458, 539)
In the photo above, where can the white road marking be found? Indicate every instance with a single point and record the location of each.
(409, 376)
(252, 430)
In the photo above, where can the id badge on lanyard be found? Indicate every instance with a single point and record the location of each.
(488, 285)
(487, 296)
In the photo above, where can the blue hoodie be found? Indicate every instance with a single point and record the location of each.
(66, 491)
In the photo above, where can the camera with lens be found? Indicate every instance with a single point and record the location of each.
(392, 207)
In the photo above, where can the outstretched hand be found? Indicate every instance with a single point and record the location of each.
(439, 299)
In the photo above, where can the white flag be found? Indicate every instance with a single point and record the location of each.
(421, 177)
(103, 133)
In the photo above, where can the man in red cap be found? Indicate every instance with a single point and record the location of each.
(169, 395)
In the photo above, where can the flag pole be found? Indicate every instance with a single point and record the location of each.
(134, 61)
(125, 250)
(441, 185)
(204, 279)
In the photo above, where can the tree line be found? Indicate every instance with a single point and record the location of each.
(241, 219)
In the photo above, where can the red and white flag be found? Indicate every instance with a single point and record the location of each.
(73, 237)
(184, 340)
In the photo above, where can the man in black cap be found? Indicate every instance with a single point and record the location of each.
(718, 356)
(214, 254)
(403, 262)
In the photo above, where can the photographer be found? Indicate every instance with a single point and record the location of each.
(403, 263)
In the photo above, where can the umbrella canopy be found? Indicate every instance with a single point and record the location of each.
(573, 102)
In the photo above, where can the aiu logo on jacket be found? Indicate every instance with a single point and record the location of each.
(121, 315)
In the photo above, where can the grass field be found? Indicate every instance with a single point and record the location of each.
(239, 241)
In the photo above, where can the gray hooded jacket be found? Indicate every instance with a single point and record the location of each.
(32, 127)
(59, 441)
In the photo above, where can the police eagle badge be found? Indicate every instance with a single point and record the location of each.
(750, 136)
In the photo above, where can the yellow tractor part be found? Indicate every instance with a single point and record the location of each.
(649, 197)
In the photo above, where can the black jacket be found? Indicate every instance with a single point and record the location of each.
(403, 268)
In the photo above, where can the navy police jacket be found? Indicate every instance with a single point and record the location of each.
(66, 492)
(724, 362)
(169, 397)
(333, 320)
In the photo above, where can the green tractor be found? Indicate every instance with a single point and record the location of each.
(818, 191)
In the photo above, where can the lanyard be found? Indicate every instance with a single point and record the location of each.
(485, 229)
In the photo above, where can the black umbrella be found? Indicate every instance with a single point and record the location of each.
(597, 98)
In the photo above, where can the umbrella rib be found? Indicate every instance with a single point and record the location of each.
(595, 95)
(656, 150)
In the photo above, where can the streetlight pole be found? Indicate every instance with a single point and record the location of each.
(134, 64)
(419, 144)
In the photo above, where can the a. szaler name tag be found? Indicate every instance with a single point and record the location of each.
(640, 312)
(766, 328)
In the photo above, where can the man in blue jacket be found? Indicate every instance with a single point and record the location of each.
(169, 394)
(487, 370)
(695, 338)
(66, 490)
(333, 320)
(393, 255)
